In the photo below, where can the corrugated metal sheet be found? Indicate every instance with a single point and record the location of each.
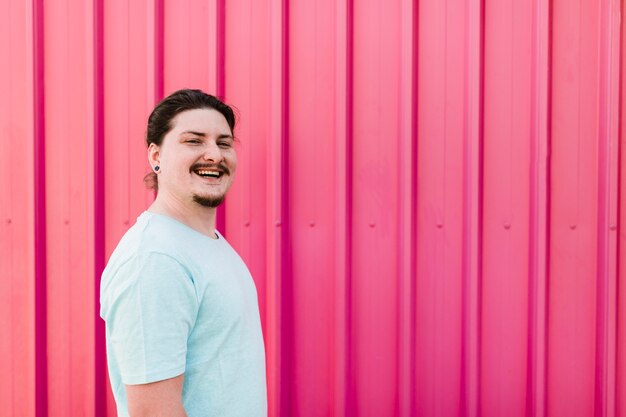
(429, 195)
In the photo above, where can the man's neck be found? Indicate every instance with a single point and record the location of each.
(199, 218)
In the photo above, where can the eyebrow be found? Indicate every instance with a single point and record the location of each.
(191, 132)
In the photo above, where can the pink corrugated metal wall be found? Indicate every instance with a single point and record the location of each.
(429, 195)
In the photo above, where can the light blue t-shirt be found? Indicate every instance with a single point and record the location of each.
(176, 301)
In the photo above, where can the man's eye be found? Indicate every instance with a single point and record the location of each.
(193, 141)
(224, 144)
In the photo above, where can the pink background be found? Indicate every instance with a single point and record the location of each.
(429, 195)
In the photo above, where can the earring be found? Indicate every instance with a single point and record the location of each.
(156, 168)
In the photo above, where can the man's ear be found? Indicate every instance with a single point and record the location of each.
(154, 155)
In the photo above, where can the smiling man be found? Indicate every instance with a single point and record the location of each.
(182, 319)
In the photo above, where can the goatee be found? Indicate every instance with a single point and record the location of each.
(208, 201)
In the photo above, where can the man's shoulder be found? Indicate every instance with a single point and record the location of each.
(156, 231)
(156, 238)
(148, 237)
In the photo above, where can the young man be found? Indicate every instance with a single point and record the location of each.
(182, 319)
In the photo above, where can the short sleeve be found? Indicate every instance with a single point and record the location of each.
(150, 317)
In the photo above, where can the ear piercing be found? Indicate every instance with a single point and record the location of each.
(156, 168)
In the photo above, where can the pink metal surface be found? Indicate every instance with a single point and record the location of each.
(429, 195)
(620, 298)
(506, 159)
(573, 290)
(18, 263)
(69, 180)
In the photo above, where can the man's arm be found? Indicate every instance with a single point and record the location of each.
(157, 399)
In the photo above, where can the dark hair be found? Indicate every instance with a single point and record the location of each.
(160, 120)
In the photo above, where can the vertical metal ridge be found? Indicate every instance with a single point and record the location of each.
(279, 288)
(472, 208)
(407, 211)
(159, 65)
(539, 212)
(159, 58)
(480, 210)
(350, 406)
(546, 320)
(99, 217)
(607, 211)
(286, 296)
(614, 227)
(220, 71)
(342, 336)
(220, 39)
(618, 225)
(41, 330)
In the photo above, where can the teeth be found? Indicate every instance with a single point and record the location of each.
(208, 172)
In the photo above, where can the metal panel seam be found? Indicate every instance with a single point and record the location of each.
(220, 35)
(159, 64)
(605, 316)
(343, 196)
(620, 159)
(220, 73)
(278, 285)
(99, 204)
(548, 229)
(284, 254)
(41, 342)
(407, 211)
(472, 207)
(539, 199)
(350, 391)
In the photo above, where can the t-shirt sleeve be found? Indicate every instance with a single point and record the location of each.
(150, 319)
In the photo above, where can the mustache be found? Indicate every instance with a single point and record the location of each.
(219, 167)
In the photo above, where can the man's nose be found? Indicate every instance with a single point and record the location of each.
(212, 152)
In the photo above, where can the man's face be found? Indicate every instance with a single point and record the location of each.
(197, 158)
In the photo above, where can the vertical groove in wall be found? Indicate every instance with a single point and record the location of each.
(220, 36)
(607, 210)
(286, 293)
(407, 210)
(279, 287)
(159, 28)
(472, 208)
(602, 222)
(343, 197)
(614, 186)
(615, 227)
(619, 305)
(41, 331)
(99, 233)
(412, 408)
(479, 232)
(539, 210)
(220, 74)
(350, 376)
(548, 214)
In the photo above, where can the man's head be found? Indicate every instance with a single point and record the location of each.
(191, 147)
